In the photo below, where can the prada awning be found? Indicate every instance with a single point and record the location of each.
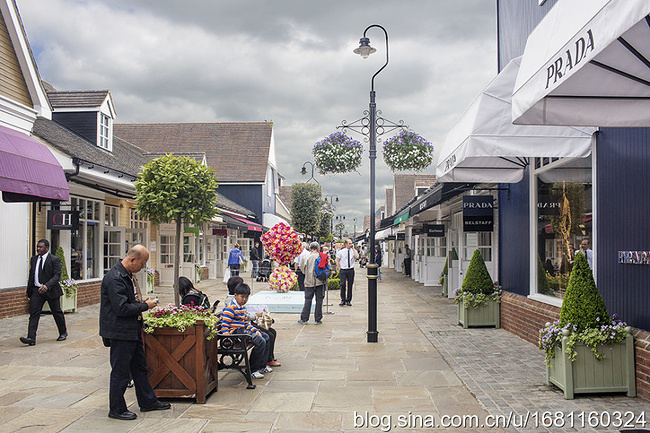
(28, 170)
(484, 146)
(587, 64)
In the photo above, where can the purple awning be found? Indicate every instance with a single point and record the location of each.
(28, 170)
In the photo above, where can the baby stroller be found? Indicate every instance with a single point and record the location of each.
(264, 272)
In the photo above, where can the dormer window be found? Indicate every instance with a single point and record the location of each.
(104, 140)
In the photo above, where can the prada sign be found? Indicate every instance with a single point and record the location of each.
(478, 213)
(571, 57)
(62, 219)
(548, 205)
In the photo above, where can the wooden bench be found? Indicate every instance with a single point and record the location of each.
(232, 353)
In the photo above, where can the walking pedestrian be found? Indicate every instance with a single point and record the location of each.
(345, 259)
(313, 286)
(43, 286)
(255, 259)
(235, 259)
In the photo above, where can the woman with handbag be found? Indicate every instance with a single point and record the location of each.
(235, 259)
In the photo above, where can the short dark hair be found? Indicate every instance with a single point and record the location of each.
(44, 242)
(234, 282)
(184, 286)
(242, 289)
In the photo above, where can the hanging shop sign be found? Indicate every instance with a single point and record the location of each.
(634, 257)
(251, 235)
(478, 213)
(220, 232)
(195, 230)
(401, 236)
(435, 230)
(418, 231)
(401, 218)
(62, 219)
(391, 237)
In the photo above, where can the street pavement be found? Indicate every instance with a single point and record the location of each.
(425, 372)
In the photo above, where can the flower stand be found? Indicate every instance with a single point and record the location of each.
(587, 374)
(182, 364)
(485, 315)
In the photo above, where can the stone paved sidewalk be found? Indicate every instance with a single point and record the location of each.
(424, 367)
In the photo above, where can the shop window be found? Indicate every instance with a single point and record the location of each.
(440, 246)
(137, 222)
(85, 241)
(167, 249)
(111, 216)
(481, 241)
(564, 217)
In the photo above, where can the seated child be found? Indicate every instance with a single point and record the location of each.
(189, 294)
(272, 333)
(234, 320)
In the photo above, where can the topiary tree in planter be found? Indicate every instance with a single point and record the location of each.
(586, 350)
(480, 294)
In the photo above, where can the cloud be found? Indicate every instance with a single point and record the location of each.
(289, 61)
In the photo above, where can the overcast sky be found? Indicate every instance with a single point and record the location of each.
(285, 61)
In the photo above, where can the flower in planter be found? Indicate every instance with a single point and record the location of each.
(583, 317)
(337, 153)
(69, 287)
(407, 151)
(180, 317)
(477, 286)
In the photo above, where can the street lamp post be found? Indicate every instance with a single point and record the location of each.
(354, 236)
(371, 126)
(303, 171)
(340, 219)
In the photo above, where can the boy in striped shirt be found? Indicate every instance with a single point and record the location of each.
(234, 320)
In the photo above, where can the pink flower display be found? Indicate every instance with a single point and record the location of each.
(282, 244)
(282, 279)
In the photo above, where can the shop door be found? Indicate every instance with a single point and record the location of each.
(189, 254)
(166, 259)
(417, 258)
(455, 264)
(211, 256)
(138, 237)
(113, 246)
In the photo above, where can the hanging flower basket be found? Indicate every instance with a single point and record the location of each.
(337, 153)
(407, 151)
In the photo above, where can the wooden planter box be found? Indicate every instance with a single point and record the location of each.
(445, 288)
(68, 304)
(586, 374)
(182, 364)
(485, 315)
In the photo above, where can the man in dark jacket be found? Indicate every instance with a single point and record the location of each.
(120, 325)
(43, 286)
(255, 259)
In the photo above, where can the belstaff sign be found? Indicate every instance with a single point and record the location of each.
(62, 219)
(478, 213)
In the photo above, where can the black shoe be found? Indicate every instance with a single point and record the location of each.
(130, 384)
(159, 405)
(124, 416)
(348, 303)
(27, 340)
(342, 303)
(62, 336)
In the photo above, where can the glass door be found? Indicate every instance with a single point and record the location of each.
(114, 244)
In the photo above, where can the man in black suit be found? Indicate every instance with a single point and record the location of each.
(120, 326)
(43, 285)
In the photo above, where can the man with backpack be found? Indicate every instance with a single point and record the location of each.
(315, 283)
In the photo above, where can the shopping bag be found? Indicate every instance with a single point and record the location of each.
(226, 275)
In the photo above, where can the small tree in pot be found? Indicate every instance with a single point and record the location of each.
(585, 346)
(479, 298)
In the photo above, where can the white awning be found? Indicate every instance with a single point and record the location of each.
(484, 146)
(383, 234)
(587, 63)
(269, 220)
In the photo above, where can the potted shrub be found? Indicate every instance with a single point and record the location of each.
(586, 350)
(181, 359)
(478, 299)
(151, 279)
(68, 285)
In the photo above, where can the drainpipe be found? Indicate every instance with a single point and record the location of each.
(75, 161)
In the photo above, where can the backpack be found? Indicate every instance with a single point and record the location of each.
(322, 274)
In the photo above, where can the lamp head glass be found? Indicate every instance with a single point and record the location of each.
(364, 49)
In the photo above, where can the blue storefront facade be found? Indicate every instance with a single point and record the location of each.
(611, 187)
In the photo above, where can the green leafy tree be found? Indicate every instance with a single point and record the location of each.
(325, 223)
(178, 189)
(583, 306)
(306, 203)
(339, 229)
(477, 278)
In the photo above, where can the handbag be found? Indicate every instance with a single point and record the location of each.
(265, 321)
(226, 275)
